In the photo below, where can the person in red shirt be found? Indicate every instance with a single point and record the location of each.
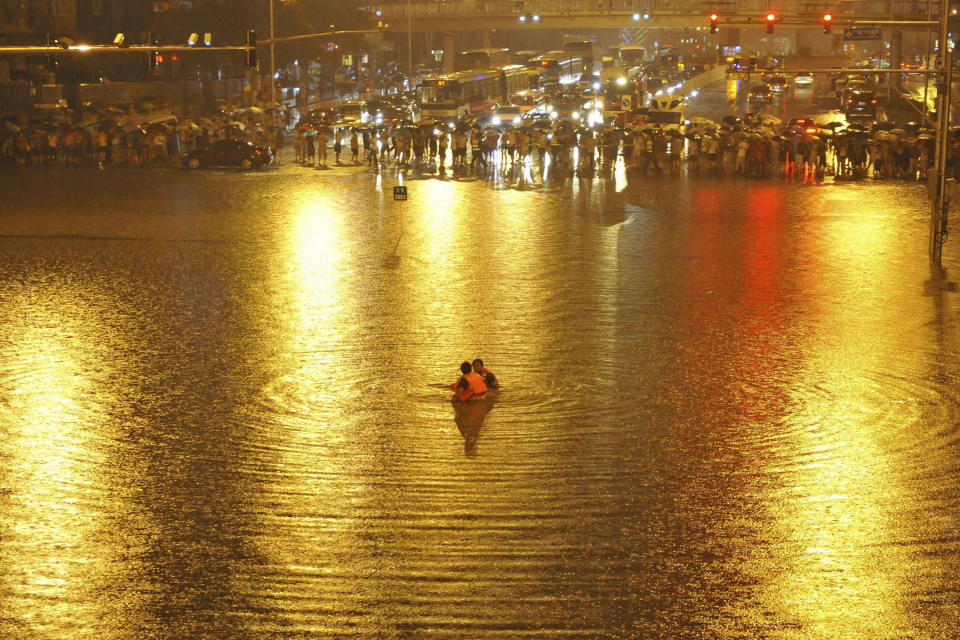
(470, 386)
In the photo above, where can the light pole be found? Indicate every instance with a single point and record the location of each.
(409, 47)
(938, 217)
(273, 72)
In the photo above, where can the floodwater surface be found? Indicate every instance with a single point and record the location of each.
(729, 408)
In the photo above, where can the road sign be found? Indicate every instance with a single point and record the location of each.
(862, 33)
(400, 192)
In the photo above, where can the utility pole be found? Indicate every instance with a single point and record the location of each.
(409, 47)
(273, 70)
(941, 201)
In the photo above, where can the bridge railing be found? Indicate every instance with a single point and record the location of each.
(880, 9)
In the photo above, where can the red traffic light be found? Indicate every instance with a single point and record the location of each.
(827, 22)
(714, 22)
(771, 19)
(827, 17)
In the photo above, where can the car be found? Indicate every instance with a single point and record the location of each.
(228, 153)
(806, 125)
(351, 112)
(778, 83)
(803, 78)
(761, 93)
(323, 117)
(507, 114)
(861, 102)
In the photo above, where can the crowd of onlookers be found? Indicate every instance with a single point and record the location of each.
(723, 151)
(737, 150)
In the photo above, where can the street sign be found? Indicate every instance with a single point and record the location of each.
(862, 33)
(400, 192)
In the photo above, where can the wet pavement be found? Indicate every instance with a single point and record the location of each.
(730, 408)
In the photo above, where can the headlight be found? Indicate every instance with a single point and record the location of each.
(516, 120)
(495, 120)
(576, 115)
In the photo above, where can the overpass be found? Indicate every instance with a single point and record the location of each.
(473, 15)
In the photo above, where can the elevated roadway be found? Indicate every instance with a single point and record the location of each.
(473, 15)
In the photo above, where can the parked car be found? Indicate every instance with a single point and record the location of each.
(803, 78)
(228, 153)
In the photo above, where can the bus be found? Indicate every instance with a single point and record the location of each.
(631, 55)
(481, 59)
(455, 95)
(667, 112)
(588, 52)
(556, 67)
(621, 96)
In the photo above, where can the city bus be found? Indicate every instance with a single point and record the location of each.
(556, 67)
(631, 55)
(481, 59)
(588, 52)
(621, 96)
(455, 95)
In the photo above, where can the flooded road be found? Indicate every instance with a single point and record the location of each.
(730, 409)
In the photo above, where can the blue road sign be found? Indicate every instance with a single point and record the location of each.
(400, 192)
(862, 33)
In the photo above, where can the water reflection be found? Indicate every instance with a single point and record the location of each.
(729, 408)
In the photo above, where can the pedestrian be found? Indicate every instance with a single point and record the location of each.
(354, 146)
(338, 144)
(322, 141)
(311, 150)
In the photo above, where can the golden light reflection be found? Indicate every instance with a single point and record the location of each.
(845, 494)
(733, 87)
(51, 475)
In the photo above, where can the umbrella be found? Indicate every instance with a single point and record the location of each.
(768, 120)
(9, 126)
(833, 125)
(732, 120)
(898, 132)
(925, 137)
(237, 125)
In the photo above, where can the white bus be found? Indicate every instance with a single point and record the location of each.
(481, 59)
(589, 53)
(557, 67)
(453, 96)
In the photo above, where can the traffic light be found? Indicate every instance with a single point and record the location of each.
(714, 22)
(827, 22)
(771, 20)
(252, 49)
(156, 59)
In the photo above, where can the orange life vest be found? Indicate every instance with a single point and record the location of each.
(476, 387)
